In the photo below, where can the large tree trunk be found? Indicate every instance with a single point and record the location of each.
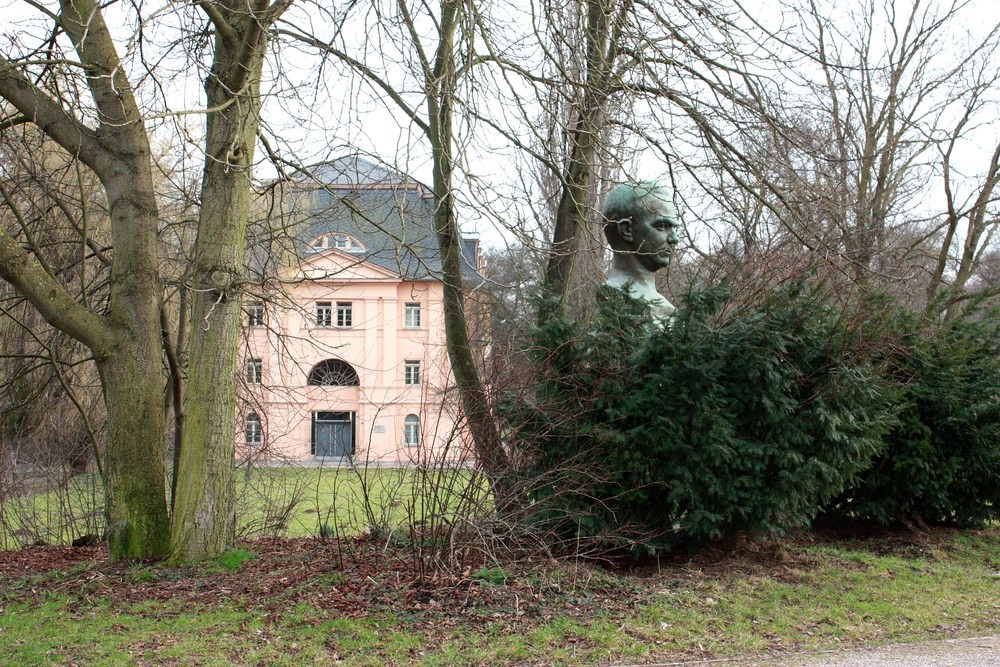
(132, 374)
(584, 141)
(134, 482)
(126, 339)
(204, 505)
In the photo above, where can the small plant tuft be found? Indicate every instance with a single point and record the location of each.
(327, 531)
(494, 576)
(232, 560)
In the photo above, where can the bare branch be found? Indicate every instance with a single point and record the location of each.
(36, 105)
(26, 274)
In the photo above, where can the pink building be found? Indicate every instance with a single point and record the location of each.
(345, 357)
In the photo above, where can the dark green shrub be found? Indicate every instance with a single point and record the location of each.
(671, 439)
(941, 463)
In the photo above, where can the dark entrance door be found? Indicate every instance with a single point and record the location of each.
(333, 434)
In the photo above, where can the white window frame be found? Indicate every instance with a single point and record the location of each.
(324, 313)
(344, 314)
(411, 431)
(255, 314)
(253, 429)
(253, 371)
(411, 316)
(342, 242)
(411, 373)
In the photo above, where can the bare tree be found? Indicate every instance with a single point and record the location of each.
(867, 125)
(47, 382)
(203, 521)
(106, 129)
(599, 25)
(441, 40)
(125, 341)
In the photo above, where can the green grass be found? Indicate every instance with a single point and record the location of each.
(847, 597)
(52, 511)
(332, 502)
(272, 502)
(232, 559)
(811, 597)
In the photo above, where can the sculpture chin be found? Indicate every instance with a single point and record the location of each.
(655, 261)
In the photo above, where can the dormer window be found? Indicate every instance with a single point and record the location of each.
(338, 241)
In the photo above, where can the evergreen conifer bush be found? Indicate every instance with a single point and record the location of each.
(941, 463)
(673, 438)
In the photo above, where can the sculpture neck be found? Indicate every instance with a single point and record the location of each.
(627, 269)
(639, 282)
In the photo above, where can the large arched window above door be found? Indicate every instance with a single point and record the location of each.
(333, 373)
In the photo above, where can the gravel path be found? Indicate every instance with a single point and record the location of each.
(974, 652)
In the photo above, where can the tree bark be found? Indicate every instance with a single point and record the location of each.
(204, 505)
(584, 142)
(126, 340)
(136, 512)
(440, 96)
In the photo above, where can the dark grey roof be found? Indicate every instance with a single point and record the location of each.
(354, 170)
(391, 215)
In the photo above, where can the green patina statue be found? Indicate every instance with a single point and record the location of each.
(640, 223)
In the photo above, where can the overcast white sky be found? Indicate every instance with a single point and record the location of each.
(333, 115)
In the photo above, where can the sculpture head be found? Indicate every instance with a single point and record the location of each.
(640, 220)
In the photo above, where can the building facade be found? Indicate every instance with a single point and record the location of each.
(345, 357)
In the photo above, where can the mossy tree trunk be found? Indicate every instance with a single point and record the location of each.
(124, 339)
(204, 505)
(133, 469)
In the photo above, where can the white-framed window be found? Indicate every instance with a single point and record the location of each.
(345, 314)
(255, 314)
(411, 315)
(338, 241)
(253, 430)
(333, 373)
(411, 431)
(253, 370)
(324, 313)
(411, 372)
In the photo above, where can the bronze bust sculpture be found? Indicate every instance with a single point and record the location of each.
(641, 224)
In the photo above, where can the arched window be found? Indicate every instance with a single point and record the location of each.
(338, 241)
(411, 431)
(333, 373)
(253, 430)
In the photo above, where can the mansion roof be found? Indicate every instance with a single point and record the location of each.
(378, 214)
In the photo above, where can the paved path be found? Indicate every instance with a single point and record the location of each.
(975, 652)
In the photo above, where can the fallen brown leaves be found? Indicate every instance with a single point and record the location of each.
(346, 579)
(356, 577)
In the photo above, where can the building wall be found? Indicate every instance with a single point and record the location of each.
(377, 345)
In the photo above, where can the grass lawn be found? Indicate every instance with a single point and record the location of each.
(300, 502)
(271, 502)
(360, 597)
(360, 602)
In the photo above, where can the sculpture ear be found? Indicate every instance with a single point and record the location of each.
(625, 229)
